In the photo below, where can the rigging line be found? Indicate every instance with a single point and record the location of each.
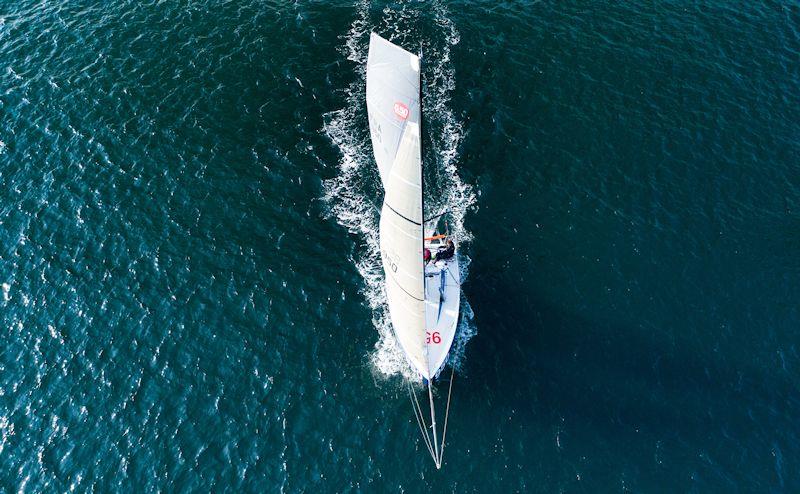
(451, 210)
(447, 413)
(421, 425)
(436, 216)
(418, 413)
(433, 426)
(420, 420)
(454, 278)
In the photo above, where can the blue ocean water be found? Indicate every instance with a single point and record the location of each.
(190, 296)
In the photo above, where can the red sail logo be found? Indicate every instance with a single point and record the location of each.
(401, 111)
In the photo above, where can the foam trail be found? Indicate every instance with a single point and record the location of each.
(354, 194)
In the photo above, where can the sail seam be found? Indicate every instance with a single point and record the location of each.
(399, 177)
(398, 228)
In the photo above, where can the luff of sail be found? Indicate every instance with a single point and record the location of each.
(393, 83)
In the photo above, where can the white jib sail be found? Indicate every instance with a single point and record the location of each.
(393, 84)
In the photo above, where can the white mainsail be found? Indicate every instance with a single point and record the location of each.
(393, 106)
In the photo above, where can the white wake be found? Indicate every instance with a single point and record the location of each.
(354, 195)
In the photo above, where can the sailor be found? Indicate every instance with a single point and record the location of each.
(426, 255)
(445, 253)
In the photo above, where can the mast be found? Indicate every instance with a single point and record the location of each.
(422, 203)
(436, 456)
(421, 168)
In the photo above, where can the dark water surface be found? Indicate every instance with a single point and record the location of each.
(189, 294)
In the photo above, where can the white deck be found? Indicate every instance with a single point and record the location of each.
(442, 299)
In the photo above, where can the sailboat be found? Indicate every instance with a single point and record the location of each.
(423, 287)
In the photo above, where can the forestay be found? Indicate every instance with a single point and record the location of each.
(393, 84)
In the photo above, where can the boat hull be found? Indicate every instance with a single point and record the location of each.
(442, 303)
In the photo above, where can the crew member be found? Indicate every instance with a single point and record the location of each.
(445, 253)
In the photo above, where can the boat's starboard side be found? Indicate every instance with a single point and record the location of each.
(442, 301)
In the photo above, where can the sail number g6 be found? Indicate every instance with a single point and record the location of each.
(434, 337)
